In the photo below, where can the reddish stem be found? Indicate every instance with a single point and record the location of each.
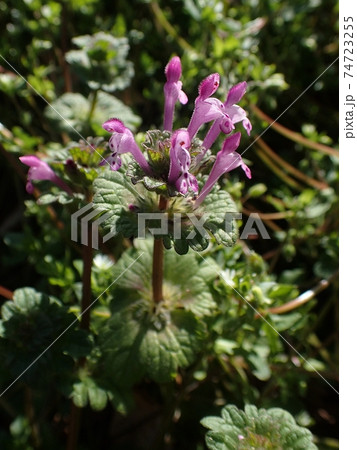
(158, 261)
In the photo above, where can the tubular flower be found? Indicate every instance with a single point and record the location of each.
(227, 160)
(168, 155)
(180, 161)
(40, 170)
(122, 141)
(173, 91)
(232, 114)
(206, 109)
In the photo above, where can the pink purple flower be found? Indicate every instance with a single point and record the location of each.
(206, 108)
(180, 161)
(232, 114)
(173, 91)
(227, 159)
(123, 141)
(177, 145)
(40, 170)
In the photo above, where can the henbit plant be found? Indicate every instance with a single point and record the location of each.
(168, 176)
(157, 324)
(244, 361)
(171, 175)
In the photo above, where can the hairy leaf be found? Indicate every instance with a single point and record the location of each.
(273, 429)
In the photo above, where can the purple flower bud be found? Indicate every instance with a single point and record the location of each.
(40, 170)
(123, 141)
(173, 91)
(208, 86)
(227, 159)
(173, 70)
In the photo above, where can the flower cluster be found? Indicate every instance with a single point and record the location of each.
(184, 161)
(173, 157)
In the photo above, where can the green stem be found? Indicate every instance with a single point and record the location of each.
(158, 261)
(86, 281)
(170, 30)
(157, 270)
(93, 105)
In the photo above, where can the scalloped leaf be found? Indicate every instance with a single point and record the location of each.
(273, 429)
(87, 391)
(101, 61)
(31, 324)
(216, 205)
(189, 291)
(138, 341)
(113, 193)
(70, 112)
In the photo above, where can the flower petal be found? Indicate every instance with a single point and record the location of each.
(173, 69)
(247, 125)
(114, 125)
(227, 159)
(208, 86)
(236, 93)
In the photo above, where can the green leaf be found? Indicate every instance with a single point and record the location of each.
(87, 390)
(80, 395)
(101, 61)
(189, 291)
(97, 397)
(113, 193)
(107, 106)
(31, 325)
(72, 114)
(273, 429)
(138, 342)
(261, 366)
(120, 343)
(144, 338)
(216, 206)
(257, 190)
(69, 114)
(173, 346)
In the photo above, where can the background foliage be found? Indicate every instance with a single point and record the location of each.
(92, 60)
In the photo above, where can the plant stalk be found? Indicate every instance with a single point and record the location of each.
(86, 280)
(158, 261)
(93, 105)
(293, 135)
